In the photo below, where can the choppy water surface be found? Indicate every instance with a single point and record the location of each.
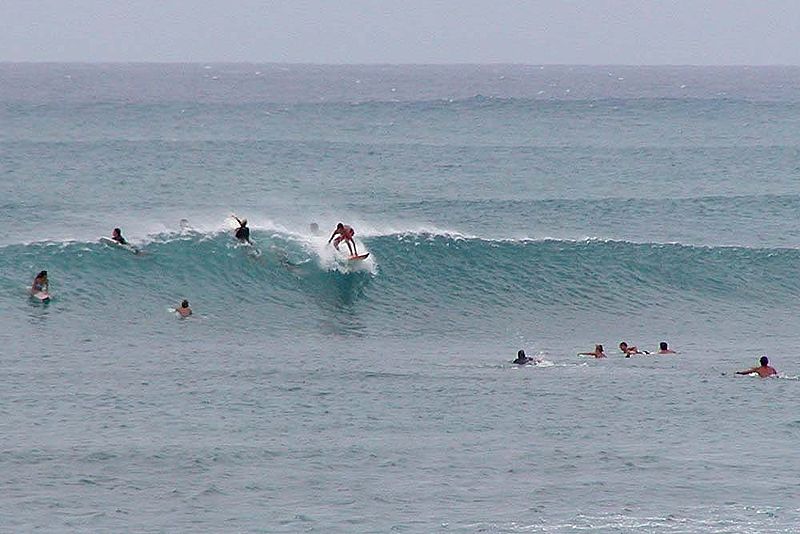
(504, 207)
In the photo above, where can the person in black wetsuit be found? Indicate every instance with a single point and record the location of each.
(243, 232)
(522, 359)
(116, 235)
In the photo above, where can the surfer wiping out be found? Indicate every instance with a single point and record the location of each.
(345, 233)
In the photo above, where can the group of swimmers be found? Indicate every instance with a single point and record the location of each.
(342, 232)
(628, 350)
(345, 233)
(763, 370)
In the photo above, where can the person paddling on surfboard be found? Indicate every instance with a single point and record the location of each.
(597, 353)
(523, 359)
(243, 232)
(764, 370)
(116, 235)
(630, 350)
(345, 233)
(40, 283)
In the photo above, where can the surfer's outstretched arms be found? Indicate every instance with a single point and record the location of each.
(345, 233)
(764, 370)
(522, 359)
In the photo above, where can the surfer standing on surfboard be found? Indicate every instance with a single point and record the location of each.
(345, 234)
(40, 283)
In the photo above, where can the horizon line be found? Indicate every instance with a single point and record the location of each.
(378, 64)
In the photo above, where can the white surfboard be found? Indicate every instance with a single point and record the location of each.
(41, 296)
(127, 246)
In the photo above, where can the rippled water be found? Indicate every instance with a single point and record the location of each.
(504, 207)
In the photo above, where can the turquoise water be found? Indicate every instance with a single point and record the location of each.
(504, 207)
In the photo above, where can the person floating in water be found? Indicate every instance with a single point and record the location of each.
(522, 359)
(764, 370)
(630, 350)
(40, 283)
(663, 348)
(184, 310)
(345, 233)
(116, 235)
(598, 352)
(243, 232)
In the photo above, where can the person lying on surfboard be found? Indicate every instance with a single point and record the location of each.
(243, 232)
(523, 359)
(345, 234)
(40, 283)
(764, 370)
(630, 350)
(116, 235)
(598, 352)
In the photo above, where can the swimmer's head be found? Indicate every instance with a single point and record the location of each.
(764, 360)
(598, 348)
(185, 304)
(42, 274)
(623, 345)
(520, 354)
(339, 226)
(244, 222)
(117, 231)
(662, 345)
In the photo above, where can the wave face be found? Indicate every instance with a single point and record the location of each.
(413, 283)
(503, 206)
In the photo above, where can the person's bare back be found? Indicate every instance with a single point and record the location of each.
(764, 370)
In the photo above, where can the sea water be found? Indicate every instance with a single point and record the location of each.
(504, 208)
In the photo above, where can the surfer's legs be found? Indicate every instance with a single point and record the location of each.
(351, 245)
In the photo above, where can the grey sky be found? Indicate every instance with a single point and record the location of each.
(698, 32)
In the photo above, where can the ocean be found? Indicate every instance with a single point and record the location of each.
(504, 207)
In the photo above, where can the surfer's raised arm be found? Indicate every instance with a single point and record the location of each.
(243, 232)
